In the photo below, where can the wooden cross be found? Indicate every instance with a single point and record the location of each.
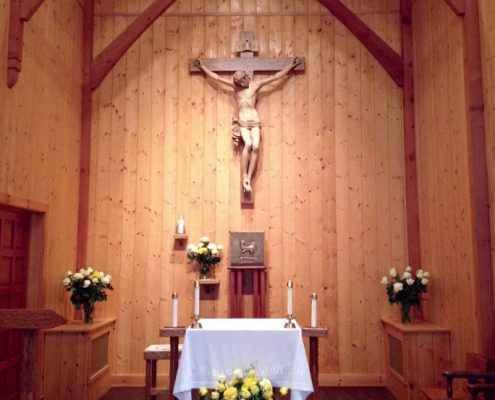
(246, 47)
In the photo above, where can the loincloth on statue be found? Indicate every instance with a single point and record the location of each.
(237, 124)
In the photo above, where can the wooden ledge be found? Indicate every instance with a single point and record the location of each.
(320, 331)
(80, 326)
(169, 331)
(415, 327)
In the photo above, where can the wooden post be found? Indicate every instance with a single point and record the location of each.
(174, 364)
(314, 334)
(412, 209)
(85, 146)
(174, 334)
(313, 363)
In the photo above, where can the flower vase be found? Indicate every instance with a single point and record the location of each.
(405, 313)
(204, 271)
(89, 313)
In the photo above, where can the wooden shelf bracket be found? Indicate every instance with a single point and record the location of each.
(20, 11)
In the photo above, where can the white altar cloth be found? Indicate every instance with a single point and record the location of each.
(223, 345)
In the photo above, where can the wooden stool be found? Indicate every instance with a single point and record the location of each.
(152, 354)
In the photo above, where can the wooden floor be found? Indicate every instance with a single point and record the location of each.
(325, 393)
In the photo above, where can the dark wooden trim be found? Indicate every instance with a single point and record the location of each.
(411, 184)
(390, 60)
(458, 6)
(478, 174)
(85, 145)
(105, 61)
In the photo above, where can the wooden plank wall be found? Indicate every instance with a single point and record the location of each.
(39, 132)
(329, 191)
(487, 22)
(443, 175)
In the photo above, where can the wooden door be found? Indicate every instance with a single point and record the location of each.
(14, 244)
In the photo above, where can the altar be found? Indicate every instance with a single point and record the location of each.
(223, 345)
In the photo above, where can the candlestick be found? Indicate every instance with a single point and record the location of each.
(313, 310)
(174, 309)
(289, 297)
(181, 225)
(196, 324)
(196, 298)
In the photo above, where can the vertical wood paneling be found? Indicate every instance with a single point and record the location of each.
(328, 192)
(40, 128)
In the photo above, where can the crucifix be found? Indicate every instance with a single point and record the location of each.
(246, 125)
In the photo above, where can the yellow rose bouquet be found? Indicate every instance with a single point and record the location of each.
(241, 387)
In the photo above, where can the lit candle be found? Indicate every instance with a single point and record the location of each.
(181, 225)
(289, 297)
(174, 309)
(313, 310)
(196, 298)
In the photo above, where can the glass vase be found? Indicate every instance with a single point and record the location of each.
(204, 271)
(89, 313)
(405, 313)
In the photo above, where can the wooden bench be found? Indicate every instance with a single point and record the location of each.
(152, 354)
(476, 368)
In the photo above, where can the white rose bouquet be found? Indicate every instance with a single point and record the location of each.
(406, 289)
(241, 388)
(206, 254)
(87, 286)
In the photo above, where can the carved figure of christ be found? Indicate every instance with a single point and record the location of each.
(247, 124)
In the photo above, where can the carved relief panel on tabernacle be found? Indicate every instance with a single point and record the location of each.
(246, 124)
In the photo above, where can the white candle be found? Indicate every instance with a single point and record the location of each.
(181, 225)
(174, 309)
(289, 298)
(313, 310)
(196, 298)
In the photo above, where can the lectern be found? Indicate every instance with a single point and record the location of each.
(247, 255)
(29, 321)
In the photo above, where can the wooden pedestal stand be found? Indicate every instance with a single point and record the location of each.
(30, 321)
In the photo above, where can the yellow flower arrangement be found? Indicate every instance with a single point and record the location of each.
(207, 254)
(249, 387)
(87, 286)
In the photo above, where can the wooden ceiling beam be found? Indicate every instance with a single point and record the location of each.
(390, 60)
(20, 11)
(28, 8)
(458, 6)
(105, 61)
